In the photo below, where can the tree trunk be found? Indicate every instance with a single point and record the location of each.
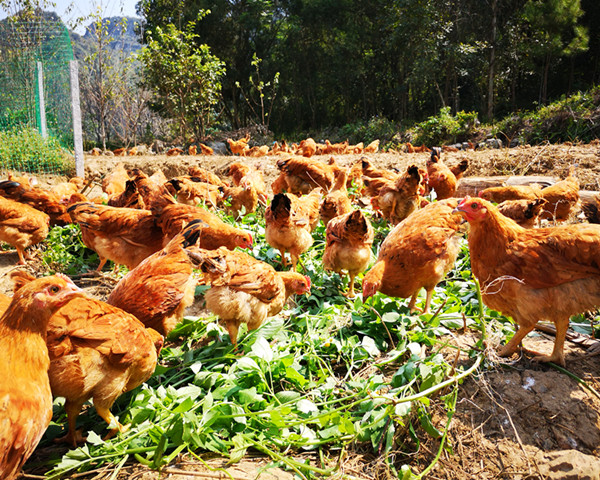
(491, 70)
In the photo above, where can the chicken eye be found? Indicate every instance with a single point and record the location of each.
(54, 289)
(474, 206)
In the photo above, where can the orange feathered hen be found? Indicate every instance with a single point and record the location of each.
(247, 290)
(160, 288)
(417, 253)
(25, 393)
(533, 274)
(348, 240)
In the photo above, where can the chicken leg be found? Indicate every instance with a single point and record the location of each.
(73, 436)
(232, 327)
(21, 253)
(513, 345)
(558, 355)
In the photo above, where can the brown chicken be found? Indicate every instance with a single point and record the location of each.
(114, 182)
(416, 149)
(249, 290)
(302, 175)
(40, 199)
(22, 226)
(417, 253)
(205, 149)
(459, 169)
(372, 186)
(399, 200)
(336, 148)
(64, 190)
(239, 147)
(562, 198)
(591, 209)
(174, 152)
(511, 192)
(160, 288)
(171, 217)
(372, 147)
(124, 235)
(368, 170)
(525, 212)
(242, 199)
(336, 202)
(192, 191)
(25, 393)
(440, 177)
(242, 173)
(307, 148)
(130, 197)
(289, 223)
(533, 274)
(96, 351)
(205, 176)
(348, 240)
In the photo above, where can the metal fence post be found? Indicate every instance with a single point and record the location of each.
(76, 109)
(41, 101)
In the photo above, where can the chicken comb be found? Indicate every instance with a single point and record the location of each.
(308, 280)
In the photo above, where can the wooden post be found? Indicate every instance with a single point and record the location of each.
(76, 109)
(41, 102)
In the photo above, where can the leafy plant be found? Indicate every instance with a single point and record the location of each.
(25, 150)
(375, 128)
(446, 128)
(65, 252)
(183, 76)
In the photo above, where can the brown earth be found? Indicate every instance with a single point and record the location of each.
(514, 419)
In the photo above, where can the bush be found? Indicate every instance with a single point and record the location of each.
(376, 128)
(25, 150)
(446, 128)
(573, 118)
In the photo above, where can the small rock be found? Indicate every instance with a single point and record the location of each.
(220, 148)
(568, 465)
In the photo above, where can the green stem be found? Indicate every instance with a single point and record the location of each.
(443, 440)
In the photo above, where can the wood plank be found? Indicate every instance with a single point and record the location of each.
(473, 185)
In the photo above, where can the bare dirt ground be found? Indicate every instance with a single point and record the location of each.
(515, 420)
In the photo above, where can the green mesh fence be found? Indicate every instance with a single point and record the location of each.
(36, 126)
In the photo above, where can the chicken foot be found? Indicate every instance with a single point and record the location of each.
(513, 345)
(22, 256)
(558, 355)
(350, 293)
(109, 418)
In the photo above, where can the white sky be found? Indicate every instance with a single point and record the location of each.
(72, 10)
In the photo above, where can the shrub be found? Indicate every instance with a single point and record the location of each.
(25, 150)
(446, 128)
(376, 128)
(573, 118)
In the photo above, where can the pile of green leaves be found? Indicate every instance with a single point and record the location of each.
(65, 252)
(322, 377)
(25, 150)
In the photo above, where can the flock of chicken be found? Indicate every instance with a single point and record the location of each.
(57, 341)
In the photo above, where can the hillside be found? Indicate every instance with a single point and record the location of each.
(121, 30)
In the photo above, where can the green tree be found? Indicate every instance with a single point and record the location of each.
(184, 77)
(555, 32)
